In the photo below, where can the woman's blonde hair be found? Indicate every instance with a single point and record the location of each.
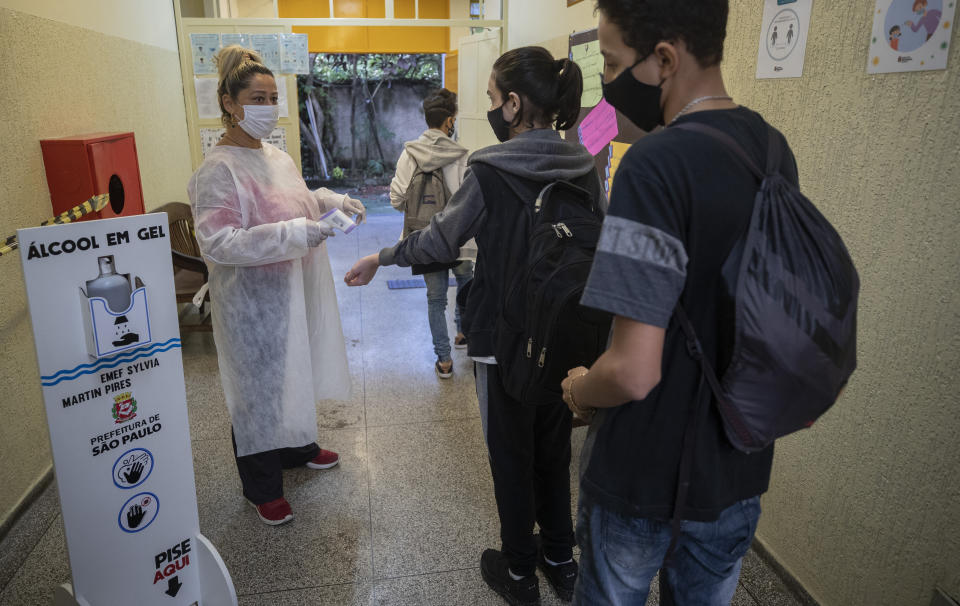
(236, 66)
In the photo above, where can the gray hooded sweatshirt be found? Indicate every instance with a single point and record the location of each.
(541, 155)
(433, 150)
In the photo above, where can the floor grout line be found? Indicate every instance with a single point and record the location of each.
(366, 429)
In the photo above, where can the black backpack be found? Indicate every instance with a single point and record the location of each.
(795, 327)
(795, 313)
(543, 331)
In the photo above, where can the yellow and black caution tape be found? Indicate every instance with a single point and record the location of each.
(93, 205)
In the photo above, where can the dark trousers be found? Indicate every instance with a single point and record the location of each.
(261, 474)
(529, 450)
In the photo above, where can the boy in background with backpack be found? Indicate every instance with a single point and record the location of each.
(680, 206)
(429, 171)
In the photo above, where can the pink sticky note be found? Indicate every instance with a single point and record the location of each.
(599, 127)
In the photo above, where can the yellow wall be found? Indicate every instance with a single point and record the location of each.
(73, 68)
(371, 39)
(863, 509)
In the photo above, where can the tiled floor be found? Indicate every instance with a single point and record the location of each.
(401, 521)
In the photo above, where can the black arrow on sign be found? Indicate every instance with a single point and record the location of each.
(173, 587)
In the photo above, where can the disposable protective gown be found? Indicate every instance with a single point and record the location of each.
(275, 318)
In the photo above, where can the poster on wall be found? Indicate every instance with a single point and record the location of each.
(783, 38)
(268, 45)
(207, 105)
(587, 56)
(278, 138)
(598, 128)
(910, 35)
(294, 55)
(210, 137)
(282, 96)
(241, 39)
(598, 122)
(205, 47)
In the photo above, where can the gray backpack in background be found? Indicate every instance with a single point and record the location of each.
(426, 195)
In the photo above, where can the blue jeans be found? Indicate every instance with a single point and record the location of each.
(620, 555)
(437, 285)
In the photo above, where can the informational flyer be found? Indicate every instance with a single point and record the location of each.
(783, 38)
(241, 39)
(268, 45)
(278, 138)
(599, 127)
(282, 82)
(588, 57)
(210, 137)
(618, 151)
(208, 106)
(104, 314)
(204, 47)
(294, 55)
(910, 35)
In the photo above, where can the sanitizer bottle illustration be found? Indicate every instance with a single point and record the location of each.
(110, 285)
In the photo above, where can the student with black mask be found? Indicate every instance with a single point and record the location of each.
(680, 205)
(531, 95)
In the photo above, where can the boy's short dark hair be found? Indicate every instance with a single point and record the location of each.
(895, 28)
(438, 106)
(700, 24)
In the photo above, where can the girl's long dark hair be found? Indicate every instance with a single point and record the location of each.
(549, 89)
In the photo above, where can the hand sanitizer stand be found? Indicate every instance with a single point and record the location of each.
(116, 410)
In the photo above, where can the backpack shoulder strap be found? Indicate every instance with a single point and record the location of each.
(708, 378)
(495, 185)
(729, 142)
(774, 151)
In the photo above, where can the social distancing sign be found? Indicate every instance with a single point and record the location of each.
(103, 308)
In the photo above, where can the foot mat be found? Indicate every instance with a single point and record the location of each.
(412, 283)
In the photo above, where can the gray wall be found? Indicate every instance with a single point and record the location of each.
(398, 110)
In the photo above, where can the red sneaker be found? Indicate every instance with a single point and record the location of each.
(325, 459)
(275, 512)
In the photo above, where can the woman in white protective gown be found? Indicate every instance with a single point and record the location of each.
(275, 317)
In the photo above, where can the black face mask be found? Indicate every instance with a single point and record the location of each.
(639, 102)
(499, 124)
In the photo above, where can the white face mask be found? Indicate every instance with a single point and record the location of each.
(259, 120)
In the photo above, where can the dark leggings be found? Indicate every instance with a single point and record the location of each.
(529, 449)
(261, 474)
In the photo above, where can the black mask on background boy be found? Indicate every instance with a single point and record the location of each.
(638, 102)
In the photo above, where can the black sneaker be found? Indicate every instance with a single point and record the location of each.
(444, 373)
(496, 573)
(561, 577)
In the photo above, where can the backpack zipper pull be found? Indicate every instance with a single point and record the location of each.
(565, 229)
(556, 230)
(543, 357)
(530, 348)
